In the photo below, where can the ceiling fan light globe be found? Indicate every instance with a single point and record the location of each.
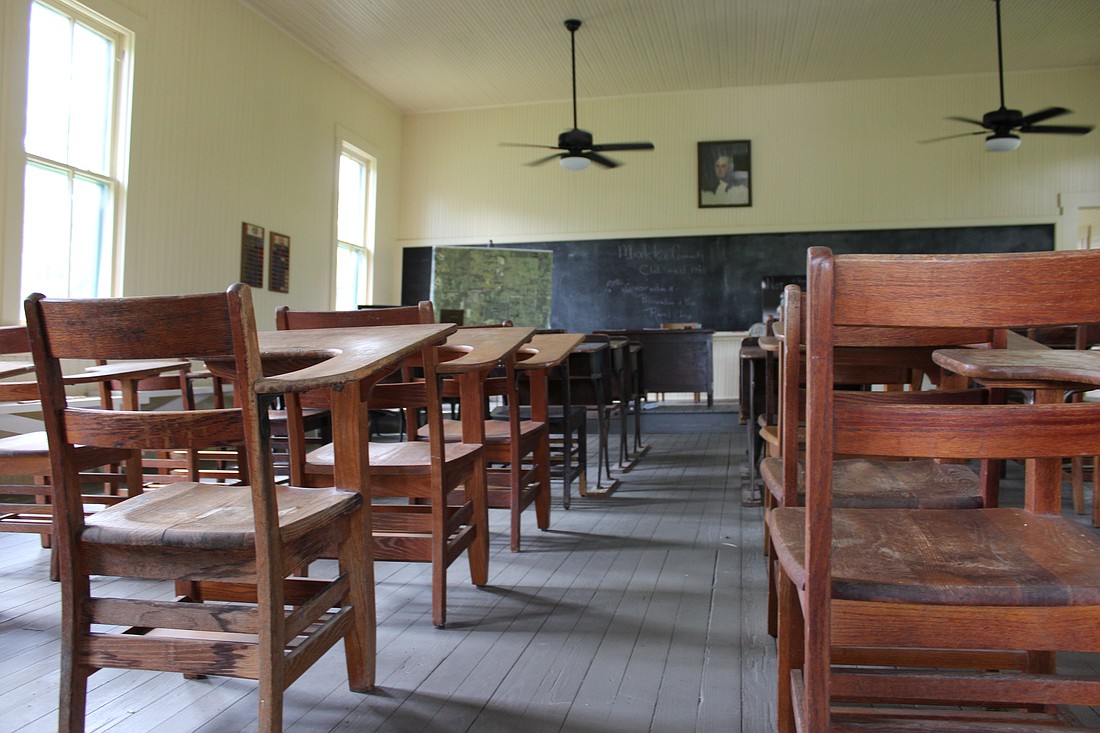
(574, 162)
(1002, 143)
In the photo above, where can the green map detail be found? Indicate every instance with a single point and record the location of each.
(492, 284)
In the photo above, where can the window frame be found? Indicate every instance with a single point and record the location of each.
(345, 148)
(119, 111)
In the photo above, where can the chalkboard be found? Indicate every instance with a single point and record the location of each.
(712, 280)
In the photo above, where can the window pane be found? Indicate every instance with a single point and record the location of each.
(46, 226)
(351, 277)
(88, 264)
(351, 202)
(91, 101)
(48, 84)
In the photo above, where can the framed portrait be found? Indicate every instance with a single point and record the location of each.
(725, 173)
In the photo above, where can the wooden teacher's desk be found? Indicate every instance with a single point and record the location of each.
(1048, 373)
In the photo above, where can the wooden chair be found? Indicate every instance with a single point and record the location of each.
(937, 586)
(27, 507)
(426, 473)
(227, 543)
(888, 359)
(517, 451)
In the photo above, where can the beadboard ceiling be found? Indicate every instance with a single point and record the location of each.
(432, 55)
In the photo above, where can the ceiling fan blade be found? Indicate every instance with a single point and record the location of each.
(1060, 129)
(529, 145)
(952, 137)
(1045, 114)
(597, 158)
(622, 146)
(979, 123)
(548, 158)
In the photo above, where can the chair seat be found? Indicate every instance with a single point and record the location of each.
(925, 556)
(405, 458)
(496, 431)
(211, 516)
(875, 484)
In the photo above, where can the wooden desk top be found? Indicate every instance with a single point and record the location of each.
(481, 348)
(589, 347)
(769, 343)
(127, 370)
(547, 350)
(15, 368)
(329, 357)
(1025, 368)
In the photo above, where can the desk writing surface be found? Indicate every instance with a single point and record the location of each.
(15, 368)
(547, 350)
(482, 348)
(1012, 367)
(330, 357)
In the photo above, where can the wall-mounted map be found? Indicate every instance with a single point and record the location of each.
(493, 284)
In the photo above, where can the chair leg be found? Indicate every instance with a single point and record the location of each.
(789, 650)
(361, 642)
(1077, 483)
(542, 476)
(439, 561)
(478, 551)
(73, 697)
(1096, 491)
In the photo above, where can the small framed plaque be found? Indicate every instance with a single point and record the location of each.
(252, 255)
(278, 278)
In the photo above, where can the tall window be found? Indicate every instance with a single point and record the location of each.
(76, 80)
(354, 227)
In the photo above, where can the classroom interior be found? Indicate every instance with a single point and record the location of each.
(644, 610)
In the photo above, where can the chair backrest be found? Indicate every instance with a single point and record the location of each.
(403, 315)
(863, 357)
(900, 292)
(218, 327)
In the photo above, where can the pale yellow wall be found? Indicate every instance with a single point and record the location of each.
(233, 121)
(825, 156)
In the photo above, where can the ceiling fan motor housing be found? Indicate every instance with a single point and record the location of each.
(575, 140)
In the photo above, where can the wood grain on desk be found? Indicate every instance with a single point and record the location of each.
(547, 350)
(330, 357)
(15, 368)
(474, 349)
(1023, 368)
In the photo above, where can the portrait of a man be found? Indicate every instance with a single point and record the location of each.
(725, 169)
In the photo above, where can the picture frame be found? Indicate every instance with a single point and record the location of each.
(724, 173)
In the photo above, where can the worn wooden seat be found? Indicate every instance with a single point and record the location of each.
(949, 591)
(431, 527)
(230, 547)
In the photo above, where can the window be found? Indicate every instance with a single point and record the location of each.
(77, 71)
(354, 227)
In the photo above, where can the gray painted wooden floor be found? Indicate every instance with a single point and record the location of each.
(639, 612)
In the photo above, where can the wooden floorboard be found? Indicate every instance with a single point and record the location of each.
(643, 611)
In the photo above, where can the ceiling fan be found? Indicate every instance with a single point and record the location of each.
(1003, 122)
(577, 143)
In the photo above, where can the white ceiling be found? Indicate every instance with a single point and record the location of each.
(430, 55)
